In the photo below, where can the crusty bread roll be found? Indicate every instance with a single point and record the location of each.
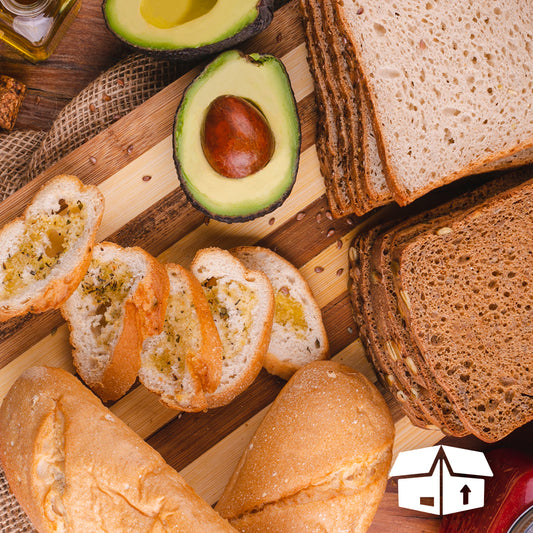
(45, 253)
(318, 461)
(75, 467)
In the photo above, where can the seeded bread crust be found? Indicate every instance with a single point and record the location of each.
(292, 344)
(374, 292)
(68, 267)
(327, 143)
(365, 319)
(242, 305)
(192, 366)
(398, 326)
(370, 173)
(310, 468)
(121, 300)
(343, 100)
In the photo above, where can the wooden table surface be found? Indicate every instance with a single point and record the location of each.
(86, 50)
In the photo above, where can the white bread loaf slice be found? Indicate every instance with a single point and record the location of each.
(319, 459)
(450, 85)
(121, 300)
(76, 467)
(45, 253)
(183, 362)
(298, 334)
(242, 305)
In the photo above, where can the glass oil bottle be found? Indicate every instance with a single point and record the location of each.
(35, 27)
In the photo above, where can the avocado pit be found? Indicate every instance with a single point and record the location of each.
(236, 138)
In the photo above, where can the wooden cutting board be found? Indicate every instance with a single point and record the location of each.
(132, 164)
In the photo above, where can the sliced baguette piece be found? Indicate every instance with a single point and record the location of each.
(242, 305)
(298, 333)
(319, 459)
(121, 300)
(45, 253)
(183, 362)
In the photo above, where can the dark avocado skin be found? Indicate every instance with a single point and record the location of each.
(264, 18)
(230, 219)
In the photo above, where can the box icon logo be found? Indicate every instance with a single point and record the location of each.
(441, 480)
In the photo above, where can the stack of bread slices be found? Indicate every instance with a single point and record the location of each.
(414, 95)
(196, 338)
(444, 304)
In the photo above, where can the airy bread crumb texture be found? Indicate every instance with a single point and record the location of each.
(459, 101)
(184, 361)
(242, 305)
(298, 334)
(470, 307)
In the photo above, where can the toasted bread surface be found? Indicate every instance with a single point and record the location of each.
(45, 253)
(298, 334)
(183, 362)
(121, 300)
(242, 305)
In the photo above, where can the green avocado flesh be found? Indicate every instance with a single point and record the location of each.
(178, 24)
(262, 80)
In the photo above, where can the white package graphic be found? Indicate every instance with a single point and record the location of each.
(441, 480)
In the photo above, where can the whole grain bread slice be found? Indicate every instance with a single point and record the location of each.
(342, 98)
(359, 283)
(467, 308)
(480, 114)
(183, 362)
(120, 301)
(327, 141)
(242, 304)
(298, 333)
(45, 253)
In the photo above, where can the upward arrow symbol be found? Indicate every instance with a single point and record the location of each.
(466, 491)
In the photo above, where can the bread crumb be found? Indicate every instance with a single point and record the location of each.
(331, 374)
(109, 417)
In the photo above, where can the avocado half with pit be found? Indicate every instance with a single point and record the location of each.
(237, 137)
(186, 29)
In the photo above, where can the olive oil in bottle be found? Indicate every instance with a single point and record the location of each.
(35, 27)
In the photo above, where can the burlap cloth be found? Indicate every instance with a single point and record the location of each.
(23, 155)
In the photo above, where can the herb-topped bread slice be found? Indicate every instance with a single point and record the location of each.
(298, 334)
(242, 305)
(121, 300)
(183, 362)
(45, 253)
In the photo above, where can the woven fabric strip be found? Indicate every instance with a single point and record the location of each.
(16, 150)
(12, 517)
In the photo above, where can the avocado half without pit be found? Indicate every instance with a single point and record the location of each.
(186, 29)
(237, 137)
